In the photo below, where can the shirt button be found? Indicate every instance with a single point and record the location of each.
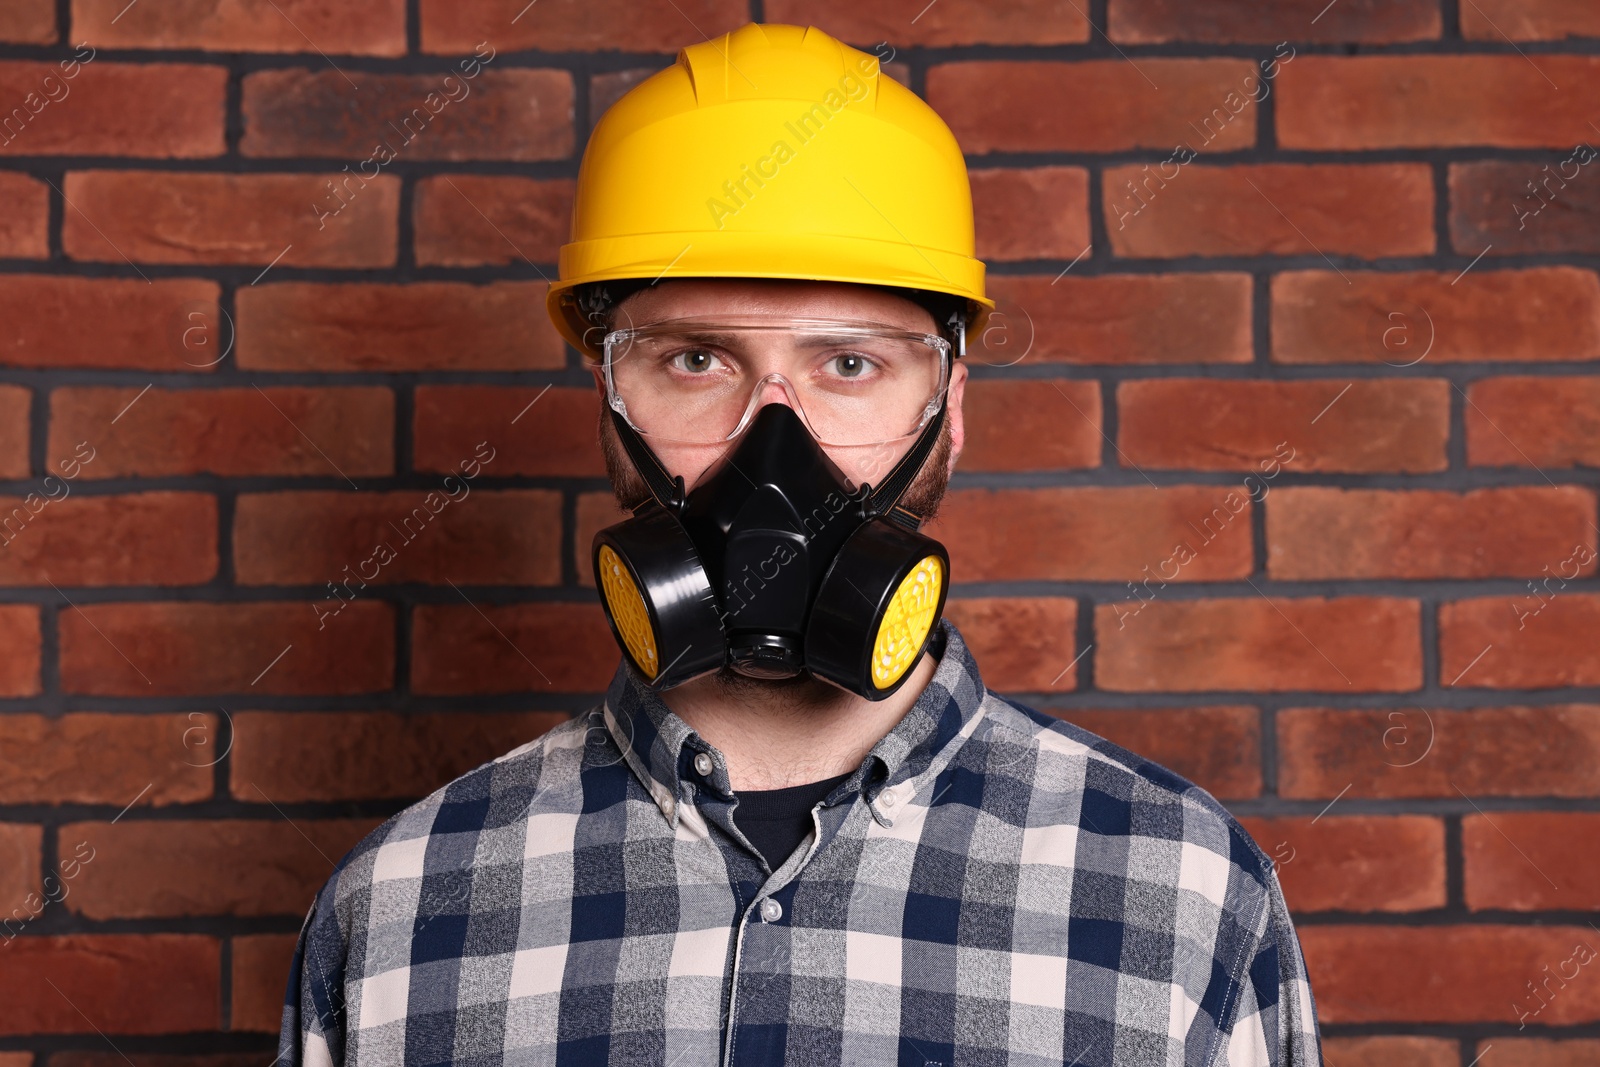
(771, 910)
(888, 798)
(704, 765)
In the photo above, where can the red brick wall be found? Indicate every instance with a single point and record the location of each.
(1291, 408)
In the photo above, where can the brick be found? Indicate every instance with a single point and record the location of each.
(162, 538)
(1393, 1051)
(1240, 21)
(19, 636)
(374, 27)
(92, 757)
(1026, 644)
(16, 1059)
(951, 22)
(1331, 426)
(1368, 210)
(1529, 20)
(1131, 318)
(28, 22)
(1344, 644)
(507, 648)
(1358, 863)
(1423, 101)
(162, 217)
(115, 1059)
(1540, 1052)
(1525, 860)
(1539, 640)
(577, 25)
(995, 106)
(261, 965)
(194, 648)
(1547, 751)
(1216, 748)
(126, 983)
(1031, 425)
(297, 757)
(1443, 974)
(168, 868)
(1513, 208)
(20, 862)
(16, 429)
(1533, 422)
(610, 86)
(522, 115)
(1039, 213)
(465, 220)
(61, 322)
(290, 430)
(102, 108)
(1097, 534)
(557, 437)
(1317, 532)
(23, 226)
(596, 511)
(1538, 314)
(422, 326)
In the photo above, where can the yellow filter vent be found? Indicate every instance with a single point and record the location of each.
(906, 622)
(628, 613)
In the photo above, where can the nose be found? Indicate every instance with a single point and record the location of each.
(771, 390)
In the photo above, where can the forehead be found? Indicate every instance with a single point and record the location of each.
(679, 298)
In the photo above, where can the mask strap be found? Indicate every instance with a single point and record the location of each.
(669, 491)
(898, 480)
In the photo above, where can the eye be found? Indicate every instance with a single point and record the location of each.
(694, 360)
(851, 365)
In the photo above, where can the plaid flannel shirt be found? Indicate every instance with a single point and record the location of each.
(992, 886)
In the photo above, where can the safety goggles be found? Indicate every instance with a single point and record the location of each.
(701, 381)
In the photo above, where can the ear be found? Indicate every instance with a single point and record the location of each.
(958, 428)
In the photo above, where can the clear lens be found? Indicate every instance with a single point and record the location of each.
(700, 381)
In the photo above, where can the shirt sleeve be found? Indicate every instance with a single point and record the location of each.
(1275, 1024)
(314, 1006)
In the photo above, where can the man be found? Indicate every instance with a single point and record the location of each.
(799, 828)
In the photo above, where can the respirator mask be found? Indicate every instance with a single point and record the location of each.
(775, 563)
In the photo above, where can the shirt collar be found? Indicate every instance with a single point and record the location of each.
(661, 748)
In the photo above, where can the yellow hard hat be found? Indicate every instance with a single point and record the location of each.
(770, 152)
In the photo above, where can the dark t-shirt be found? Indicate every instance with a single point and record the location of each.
(777, 820)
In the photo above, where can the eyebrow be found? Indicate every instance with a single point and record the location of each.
(727, 340)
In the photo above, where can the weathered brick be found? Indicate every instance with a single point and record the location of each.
(1321, 426)
(422, 326)
(1097, 534)
(130, 984)
(1008, 106)
(292, 220)
(1422, 101)
(1345, 644)
(91, 757)
(1359, 863)
(1039, 213)
(459, 533)
(507, 648)
(950, 22)
(94, 107)
(161, 538)
(596, 511)
(464, 220)
(577, 25)
(1526, 207)
(28, 22)
(27, 215)
(192, 648)
(1540, 1051)
(1272, 209)
(1025, 644)
(157, 869)
(1217, 748)
(1529, 20)
(1031, 425)
(1404, 318)
(1538, 640)
(555, 437)
(20, 637)
(1526, 860)
(373, 27)
(62, 322)
(1229, 21)
(1547, 751)
(260, 971)
(1131, 318)
(15, 429)
(1533, 422)
(1392, 1051)
(87, 1058)
(522, 115)
(20, 875)
(1324, 532)
(297, 757)
(290, 430)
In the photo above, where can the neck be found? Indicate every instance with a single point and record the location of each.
(779, 734)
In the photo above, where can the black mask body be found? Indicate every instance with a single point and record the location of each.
(773, 566)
